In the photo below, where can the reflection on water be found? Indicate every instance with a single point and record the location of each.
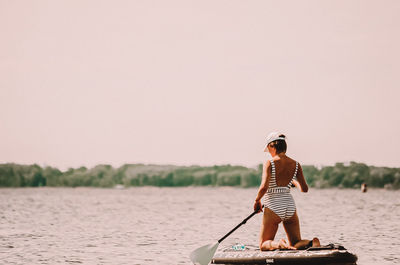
(163, 225)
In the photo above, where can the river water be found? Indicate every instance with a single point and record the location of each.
(163, 225)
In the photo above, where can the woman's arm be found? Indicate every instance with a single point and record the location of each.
(301, 183)
(263, 186)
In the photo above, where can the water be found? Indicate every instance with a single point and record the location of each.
(163, 225)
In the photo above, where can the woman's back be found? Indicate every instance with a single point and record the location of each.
(285, 168)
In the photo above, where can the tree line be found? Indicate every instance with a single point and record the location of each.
(350, 175)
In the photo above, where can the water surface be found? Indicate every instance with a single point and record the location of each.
(162, 225)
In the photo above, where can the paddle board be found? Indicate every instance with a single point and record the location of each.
(328, 254)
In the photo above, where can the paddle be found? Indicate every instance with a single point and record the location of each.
(204, 254)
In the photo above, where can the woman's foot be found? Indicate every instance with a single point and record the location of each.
(315, 242)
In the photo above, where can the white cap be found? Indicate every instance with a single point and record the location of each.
(273, 137)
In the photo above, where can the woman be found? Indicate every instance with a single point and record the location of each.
(279, 174)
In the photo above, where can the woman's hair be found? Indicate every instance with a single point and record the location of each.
(279, 145)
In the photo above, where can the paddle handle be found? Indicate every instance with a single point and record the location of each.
(241, 223)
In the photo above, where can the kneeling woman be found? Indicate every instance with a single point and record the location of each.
(279, 174)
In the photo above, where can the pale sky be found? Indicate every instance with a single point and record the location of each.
(198, 82)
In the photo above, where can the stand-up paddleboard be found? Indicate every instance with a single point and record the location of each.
(332, 254)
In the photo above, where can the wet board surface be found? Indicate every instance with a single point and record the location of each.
(329, 254)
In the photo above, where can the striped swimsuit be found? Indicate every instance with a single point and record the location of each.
(278, 199)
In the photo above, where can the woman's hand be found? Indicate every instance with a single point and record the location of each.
(257, 206)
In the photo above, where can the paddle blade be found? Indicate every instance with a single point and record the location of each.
(204, 254)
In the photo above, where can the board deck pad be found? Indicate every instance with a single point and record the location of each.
(328, 254)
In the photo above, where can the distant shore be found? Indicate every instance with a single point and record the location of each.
(350, 175)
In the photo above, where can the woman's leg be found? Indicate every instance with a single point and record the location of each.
(292, 228)
(269, 227)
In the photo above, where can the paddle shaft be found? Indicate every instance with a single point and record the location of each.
(241, 223)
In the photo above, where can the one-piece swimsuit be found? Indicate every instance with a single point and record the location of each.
(278, 198)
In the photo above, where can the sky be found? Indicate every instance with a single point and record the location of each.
(198, 82)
